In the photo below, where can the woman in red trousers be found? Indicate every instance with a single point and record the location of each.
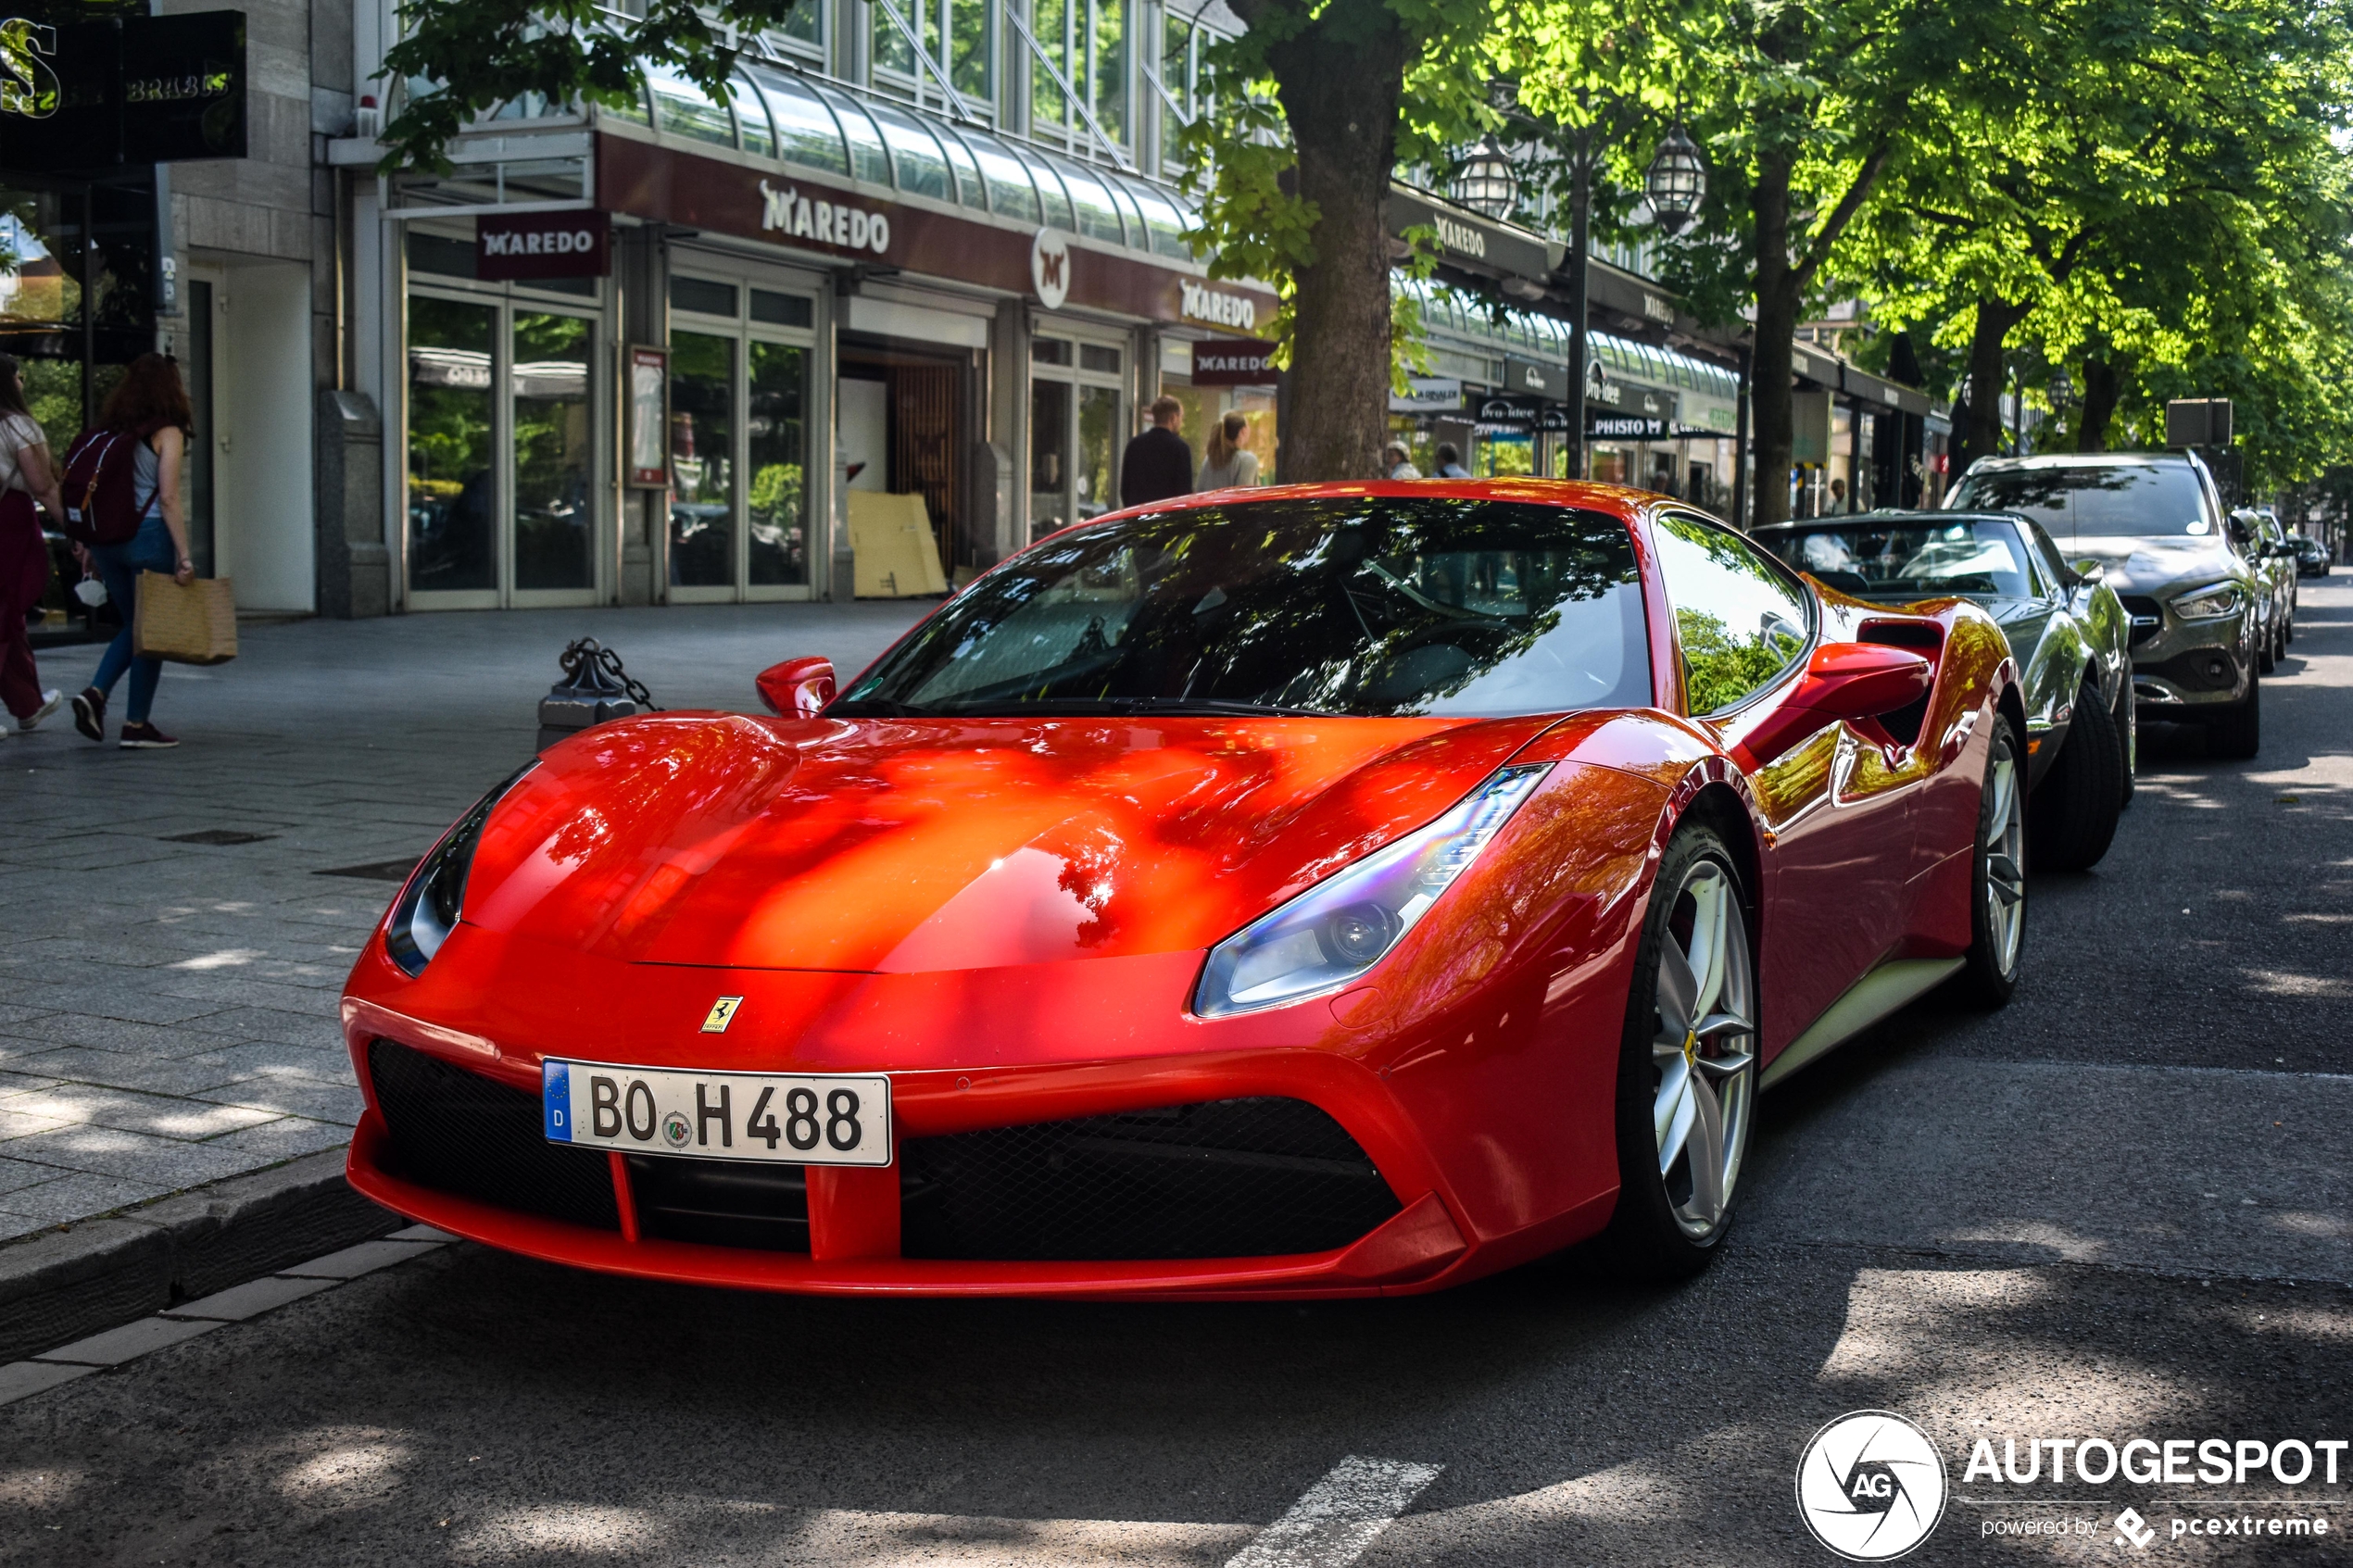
(26, 475)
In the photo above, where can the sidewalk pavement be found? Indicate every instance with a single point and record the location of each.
(173, 931)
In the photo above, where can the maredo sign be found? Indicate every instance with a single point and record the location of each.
(543, 244)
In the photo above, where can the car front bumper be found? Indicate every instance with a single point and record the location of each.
(2182, 669)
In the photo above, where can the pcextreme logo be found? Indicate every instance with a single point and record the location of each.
(1870, 1486)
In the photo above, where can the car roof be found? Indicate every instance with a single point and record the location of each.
(1887, 514)
(2077, 461)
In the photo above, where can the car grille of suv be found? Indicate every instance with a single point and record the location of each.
(458, 1132)
(1234, 1178)
(2146, 618)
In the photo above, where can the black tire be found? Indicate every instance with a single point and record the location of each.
(2072, 814)
(2127, 719)
(2236, 733)
(2266, 657)
(1988, 974)
(1646, 1239)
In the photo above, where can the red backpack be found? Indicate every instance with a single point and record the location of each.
(101, 485)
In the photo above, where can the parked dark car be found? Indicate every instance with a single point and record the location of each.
(2311, 556)
(2068, 633)
(2154, 523)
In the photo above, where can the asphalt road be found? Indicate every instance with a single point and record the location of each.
(2117, 1208)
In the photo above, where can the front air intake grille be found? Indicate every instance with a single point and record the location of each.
(1232, 1178)
(2143, 615)
(721, 1202)
(458, 1132)
(2200, 670)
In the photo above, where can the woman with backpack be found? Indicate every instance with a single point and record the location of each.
(26, 476)
(150, 407)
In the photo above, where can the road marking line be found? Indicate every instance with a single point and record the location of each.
(1339, 1516)
(239, 1303)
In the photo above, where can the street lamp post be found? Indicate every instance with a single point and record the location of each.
(1675, 185)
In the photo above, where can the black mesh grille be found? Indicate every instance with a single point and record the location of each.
(722, 1202)
(458, 1132)
(2146, 619)
(1233, 1178)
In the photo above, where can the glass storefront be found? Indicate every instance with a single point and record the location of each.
(1077, 425)
(506, 446)
(740, 360)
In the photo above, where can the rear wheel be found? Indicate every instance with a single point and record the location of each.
(1997, 883)
(2267, 656)
(2073, 813)
(2236, 733)
(1687, 1067)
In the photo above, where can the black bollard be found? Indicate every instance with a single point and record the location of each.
(595, 688)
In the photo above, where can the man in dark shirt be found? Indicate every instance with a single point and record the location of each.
(1157, 463)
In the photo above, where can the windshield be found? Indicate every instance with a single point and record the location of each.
(1343, 605)
(2128, 500)
(1911, 559)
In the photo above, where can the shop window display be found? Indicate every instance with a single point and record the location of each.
(452, 521)
(555, 509)
(702, 371)
(775, 375)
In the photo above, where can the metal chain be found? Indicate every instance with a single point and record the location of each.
(587, 650)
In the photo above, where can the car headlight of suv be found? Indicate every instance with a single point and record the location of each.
(428, 907)
(2207, 604)
(1349, 922)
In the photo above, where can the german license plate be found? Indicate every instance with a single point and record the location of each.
(787, 1118)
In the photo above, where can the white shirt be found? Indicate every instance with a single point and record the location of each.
(16, 432)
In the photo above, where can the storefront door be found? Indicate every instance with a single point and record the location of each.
(1077, 425)
(740, 364)
(503, 437)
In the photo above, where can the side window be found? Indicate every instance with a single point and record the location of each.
(2055, 566)
(1739, 621)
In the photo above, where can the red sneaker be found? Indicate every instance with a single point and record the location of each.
(146, 737)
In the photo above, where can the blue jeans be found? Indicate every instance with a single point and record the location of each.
(118, 567)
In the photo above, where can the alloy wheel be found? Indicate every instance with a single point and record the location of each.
(2006, 863)
(1704, 1050)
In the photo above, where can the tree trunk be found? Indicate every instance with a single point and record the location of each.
(2102, 386)
(1988, 376)
(1341, 80)
(1777, 300)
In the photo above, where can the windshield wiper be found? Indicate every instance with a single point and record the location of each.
(879, 708)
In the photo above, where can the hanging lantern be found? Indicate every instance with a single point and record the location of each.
(1486, 183)
(1677, 182)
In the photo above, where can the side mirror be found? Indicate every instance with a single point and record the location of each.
(2088, 569)
(1842, 681)
(799, 688)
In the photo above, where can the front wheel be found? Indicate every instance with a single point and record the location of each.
(2072, 815)
(1687, 1067)
(1997, 882)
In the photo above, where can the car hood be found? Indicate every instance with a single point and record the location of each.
(2152, 566)
(898, 847)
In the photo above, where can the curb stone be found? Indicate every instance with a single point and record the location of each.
(57, 1287)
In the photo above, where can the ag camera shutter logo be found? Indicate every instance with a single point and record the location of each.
(1870, 1486)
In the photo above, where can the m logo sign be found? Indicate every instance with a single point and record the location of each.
(543, 244)
(1050, 269)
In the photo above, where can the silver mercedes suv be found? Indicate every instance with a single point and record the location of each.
(2151, 525)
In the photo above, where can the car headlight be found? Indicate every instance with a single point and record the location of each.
(2206, 604)
(1346, 923)
(428, 907)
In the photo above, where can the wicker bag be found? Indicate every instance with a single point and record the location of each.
(191, 624)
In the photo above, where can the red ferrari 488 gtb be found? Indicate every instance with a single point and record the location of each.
(1307, 891)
